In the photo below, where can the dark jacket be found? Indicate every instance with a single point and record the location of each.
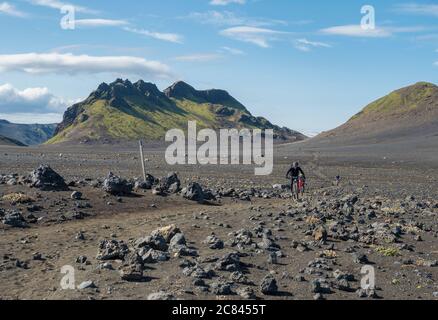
(295, 172)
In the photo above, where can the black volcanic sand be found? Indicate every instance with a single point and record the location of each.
(399, 239)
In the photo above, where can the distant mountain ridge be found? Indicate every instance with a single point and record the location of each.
(123, 110)
(27, 134)
(4, 141)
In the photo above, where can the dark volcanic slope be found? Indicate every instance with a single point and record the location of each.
(403, 114)
(4, 141)
(123, 111)
(29, 134)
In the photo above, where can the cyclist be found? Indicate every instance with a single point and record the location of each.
(293, 174)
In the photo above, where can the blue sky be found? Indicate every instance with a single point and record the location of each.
(307, 65)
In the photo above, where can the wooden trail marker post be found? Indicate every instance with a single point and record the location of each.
(142, 160)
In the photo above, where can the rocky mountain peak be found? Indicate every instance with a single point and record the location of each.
(148, 89)
(180, 89)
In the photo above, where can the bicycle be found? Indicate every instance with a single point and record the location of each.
(297, 187)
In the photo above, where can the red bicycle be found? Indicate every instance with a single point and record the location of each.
(298, 185)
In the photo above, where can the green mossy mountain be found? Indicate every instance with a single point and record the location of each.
(123, 111)
(415, 98)
(409, 111)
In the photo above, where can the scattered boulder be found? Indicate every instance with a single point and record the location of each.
(46, 179)
(268, 244)
(194, 192)
(214, 242)
(167, 232)
(320, 234)
(198, 272)
(229, 262)
(177, 239)
(81, 259)
(169, 184)
(131, 272)
(112, 250)
(154, 256)
(117, 186)
(320, 286)
(147, 184)
(268, 285)
(359, 258)
(76, 195)
(246, 293)
(87, 285)
(14, 219)
(156, 242)
(132, 269)
(221, 288)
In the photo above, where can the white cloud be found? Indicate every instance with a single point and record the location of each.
(43, 63)
(58, 5)
(226, 2)
(233, 51)
(30, 100)
(199, 57)
(10, 10)
(258, 36)
(99, 23)
(421, 9)
(307, 45)
(170, 37)
(227, 18)
(358, 31)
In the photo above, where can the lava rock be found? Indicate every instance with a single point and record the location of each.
(169, 184)
(246, 293)
(112, 250)
(194, 192)
(76, 195)
(14, 219)
(229, 262)
(45, 178)
(132, 269)
(87, 285)
(177, 239)
(269, 285)
(221, 289)
(154, 256)
(132, 272)
(147, 184)
(320, 234)
(319, 286)
(167, 232)
(117, 186)
(214, 242)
